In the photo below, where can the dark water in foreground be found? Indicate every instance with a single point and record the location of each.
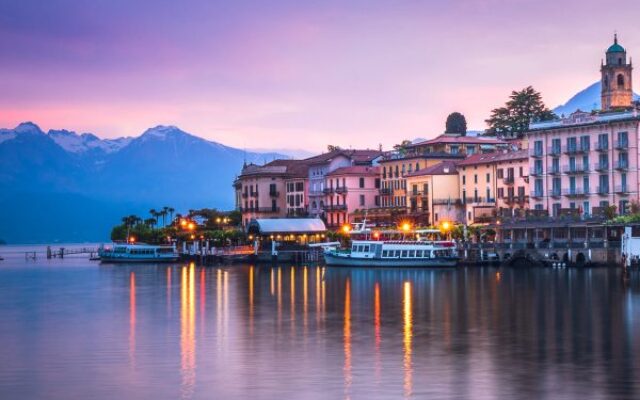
(76, 329)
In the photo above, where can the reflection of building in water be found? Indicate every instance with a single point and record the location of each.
(132, 317)
(376, 328)
(187, 330)
(347, 339)
(408, 335)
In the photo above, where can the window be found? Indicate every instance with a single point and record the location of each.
(499, 173)
(488, 177)
(464, 179)
(521, 172)
(475, 178)
(419, 253)
(500, 193)
(361, 182)
(384, 253)
(404, 253)
(620, 79)
(361, 200)
(412, 253)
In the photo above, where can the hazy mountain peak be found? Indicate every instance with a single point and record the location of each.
(587, 99)
(28, 128)
(163, 132)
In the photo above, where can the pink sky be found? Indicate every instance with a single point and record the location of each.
(295, 74)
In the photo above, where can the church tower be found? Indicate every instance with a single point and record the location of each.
(616, 78)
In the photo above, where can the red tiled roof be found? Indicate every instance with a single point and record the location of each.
(356, 170)
(443, 168)
(490, 158)
(449, 139)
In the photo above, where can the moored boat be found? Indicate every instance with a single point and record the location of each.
(138, 252)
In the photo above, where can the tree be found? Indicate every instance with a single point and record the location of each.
(171, 210)
(523, 107)
(456, 123)
(402, 147)
(331, 148)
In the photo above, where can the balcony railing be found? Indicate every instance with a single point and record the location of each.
(575, 192)
(515, 199)
(341, 189)
(508, 180)
(622, 189)
(555, 192)
(601, 166)
(535, 171)
(253, 194)
(385, 191)
(478, 199)
(603, 190)
(536, 152)
(602, 146)
(274, 193)
(575, 169)
(245, 195)
(418, 193)
(554, 170)
(537, 193)
(443, 202)
(554, 150)
(327, 190)
(577, 149)
(622, 165)
(261, 209)
(335, 207)
(621, 144)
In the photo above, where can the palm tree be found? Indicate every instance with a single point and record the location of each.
(163, 213)
(171, 210)
(154, 214)
(150, 222)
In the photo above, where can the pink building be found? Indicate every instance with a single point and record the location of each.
(348, 192)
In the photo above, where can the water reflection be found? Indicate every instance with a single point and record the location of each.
(347, 339)
(187, 330)
(132, 317)
(408, 335)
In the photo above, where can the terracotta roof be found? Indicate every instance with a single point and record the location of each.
(358, 156)
(391, 157)
(356, 170)
(490, 158)
(449, 139)
(443, 168)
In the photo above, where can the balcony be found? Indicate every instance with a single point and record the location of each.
(267, 210)
(575, 192)
(621, 144)
(335, 207)
(327, 190)
(575, 169)
(601, 166)
(253, 194)
(417, 193)
(515, 199)
(537, 153)
(385, 191)
(603, 190)
(622, 189)
(535, 171)
(622, 165)
(554, 151)
(602, 146)
(245, 195)
(508, 180)
(341, 189)
(274, 193)
(478, 199)
(554, 170)
(577, 149)
(555, 192)
(536, 194)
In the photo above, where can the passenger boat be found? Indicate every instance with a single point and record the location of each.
(419, 252)
(138, 252)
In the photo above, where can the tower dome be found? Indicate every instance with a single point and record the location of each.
(615, 47)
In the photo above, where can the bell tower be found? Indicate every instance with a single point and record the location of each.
(616, 78)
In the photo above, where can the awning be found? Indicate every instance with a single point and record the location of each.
(286, 226)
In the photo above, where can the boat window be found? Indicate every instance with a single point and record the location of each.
(419, 253)
(384, 253)
(404, 253)
(412, 253)
(366, 248)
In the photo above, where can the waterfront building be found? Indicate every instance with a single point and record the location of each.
(589, 160)
(433, 194)
(323, 164)
(275, 190)
(493, 183)
(451, 143)
(349, 192)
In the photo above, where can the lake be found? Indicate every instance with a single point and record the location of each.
(78, 329)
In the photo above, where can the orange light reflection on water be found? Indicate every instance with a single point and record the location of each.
(347, 340)
(132, 317)
(187, 330)
(408, 336)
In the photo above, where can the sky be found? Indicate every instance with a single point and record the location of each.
(295, 74)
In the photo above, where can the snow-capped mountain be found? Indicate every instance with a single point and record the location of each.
(587, 99)
(74, 143)
(61, 185)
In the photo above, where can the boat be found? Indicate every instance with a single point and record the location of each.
(137, 252)
(381, 248)
(394, 253)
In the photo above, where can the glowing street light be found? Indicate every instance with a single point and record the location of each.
(183, 222)
(132, 239)
(346, 228)
(191, 226)
(446, 225)
(406, 227)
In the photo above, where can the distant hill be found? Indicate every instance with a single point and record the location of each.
(585, 100)
(62, 186)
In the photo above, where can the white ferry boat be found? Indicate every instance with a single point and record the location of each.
(425, 251)
(138, 252)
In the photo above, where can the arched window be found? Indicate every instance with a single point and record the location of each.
(620, 81)
(606, 82)
(313, 205)
(619, 61)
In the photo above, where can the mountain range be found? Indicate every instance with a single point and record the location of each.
(586, 100)
(63, 186)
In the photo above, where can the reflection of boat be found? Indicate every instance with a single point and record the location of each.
(394, 253)
(139, 252)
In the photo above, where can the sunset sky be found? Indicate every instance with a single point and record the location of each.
(295, 74)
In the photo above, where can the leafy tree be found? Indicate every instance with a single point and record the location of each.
(610, 212)
(331, 148)
(456, 123)
(402, 147)
(513, 119)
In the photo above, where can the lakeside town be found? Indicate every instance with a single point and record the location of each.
(548, 181)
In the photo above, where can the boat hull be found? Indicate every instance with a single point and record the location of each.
(347, 261)
(112, 259)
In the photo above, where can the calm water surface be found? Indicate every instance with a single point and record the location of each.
(77, 329)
